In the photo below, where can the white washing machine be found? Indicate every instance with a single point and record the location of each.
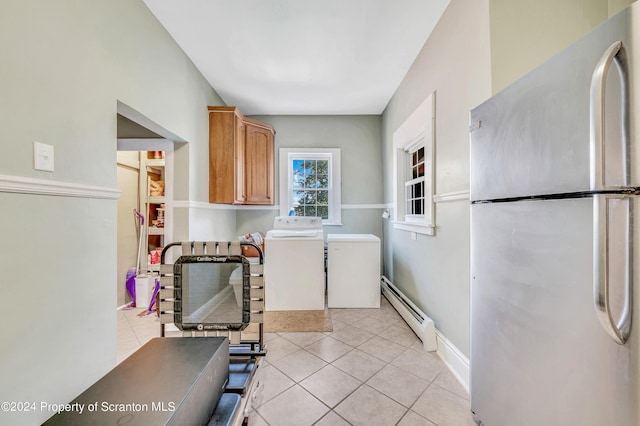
(294, 264)
(353, 271)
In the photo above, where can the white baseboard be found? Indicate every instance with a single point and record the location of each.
(457, 362)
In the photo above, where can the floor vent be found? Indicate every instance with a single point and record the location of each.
(421, 324)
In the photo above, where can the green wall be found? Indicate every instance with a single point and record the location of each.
(525, 33)
(65, 66)
(359, 140)
(433, 271)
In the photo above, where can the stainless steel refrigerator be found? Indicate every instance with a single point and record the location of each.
(555, 178)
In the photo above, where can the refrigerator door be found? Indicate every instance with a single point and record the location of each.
(534, 137)
(539, 355)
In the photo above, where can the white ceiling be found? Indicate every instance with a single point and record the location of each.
(306, 57)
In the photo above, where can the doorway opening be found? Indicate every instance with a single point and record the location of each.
(145, 179)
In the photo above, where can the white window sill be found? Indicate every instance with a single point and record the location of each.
(332, 224)
(414, 227)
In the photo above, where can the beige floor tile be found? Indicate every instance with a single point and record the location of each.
(421, 364)
(303, 339)
(330, 385)
(146, 333)
(331, 419)
(372, 325)
(299, 365)
(366, 406)
(400, 334)
(381, 348)
(293, 407)
(418, 346)
(123, 323)
(256, 419)
(387, 315)
(381, 335)
(274, 382)
(337, 326)
(270, 336)
(443, 407)
(348, 316)
(352, 336)
(359, 364)
(126, 334)
(278, 348)
(413, 419)
(398, 385)
(329, 349)
(448, 381)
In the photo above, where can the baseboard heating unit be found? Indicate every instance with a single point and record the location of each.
(421, 324)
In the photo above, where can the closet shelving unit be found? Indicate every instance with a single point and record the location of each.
(153, 169)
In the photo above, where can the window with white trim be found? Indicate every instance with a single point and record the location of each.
(310, 183)
(413, 170)
(414, 187)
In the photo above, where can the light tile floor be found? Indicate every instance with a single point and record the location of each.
(370, 370)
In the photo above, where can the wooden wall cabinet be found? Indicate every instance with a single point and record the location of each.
(240, 158)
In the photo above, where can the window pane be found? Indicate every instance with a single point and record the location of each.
(323, 167)
(418, 190)
(310, 197)
(310, 182)
(298, 167)
(323, 212)
(298, 173)
(323, 197)
(420, 155)
(323, 181)
(298, 197)
(298, 181)
(310, 167)
(417, 207)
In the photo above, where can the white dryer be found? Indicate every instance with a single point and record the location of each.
(353, 271)
(294, 264)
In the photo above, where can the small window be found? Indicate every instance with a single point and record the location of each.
(414, 186)
(311, 187)
(413, 174)
(310, 183)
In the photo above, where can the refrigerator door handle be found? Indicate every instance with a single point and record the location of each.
(618, 331)
(616, 52)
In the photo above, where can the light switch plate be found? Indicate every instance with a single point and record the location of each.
(42, 157)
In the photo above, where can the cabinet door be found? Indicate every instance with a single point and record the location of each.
(239, 161)
(222, 147)
(258, 165)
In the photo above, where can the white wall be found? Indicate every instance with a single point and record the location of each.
(454, 62)
(65, 66)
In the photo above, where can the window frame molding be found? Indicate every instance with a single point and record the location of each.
(417, 131)
(286, 187)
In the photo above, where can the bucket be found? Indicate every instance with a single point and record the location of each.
(144, 290)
